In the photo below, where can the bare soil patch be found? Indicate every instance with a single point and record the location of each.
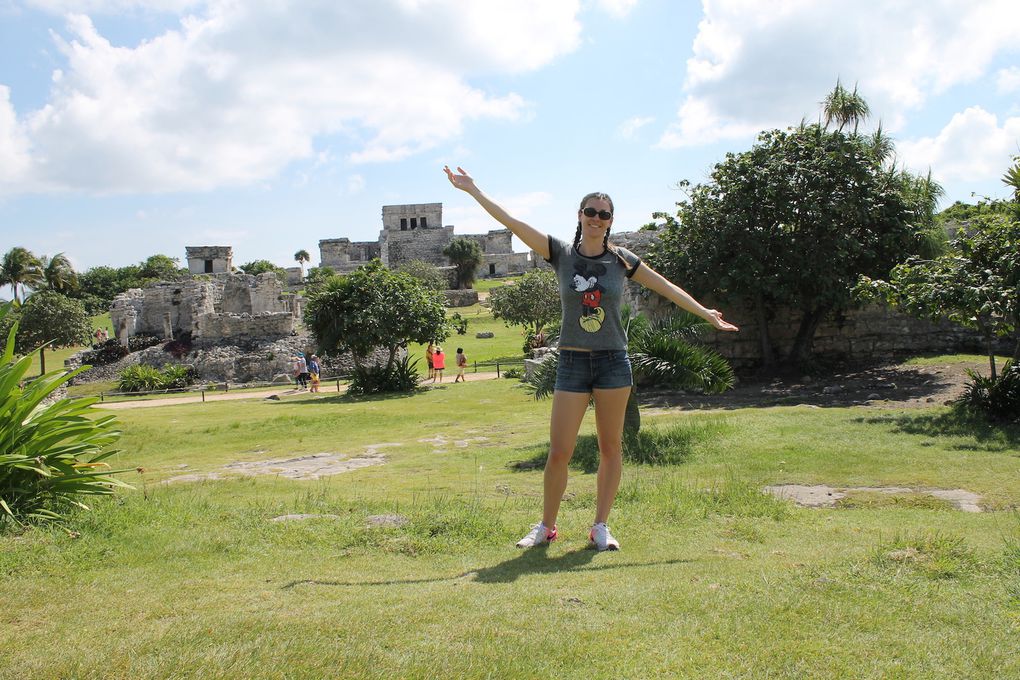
(822, 496)
(885, 385)
(314, 466)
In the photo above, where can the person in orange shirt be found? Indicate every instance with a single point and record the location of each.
(438, 363)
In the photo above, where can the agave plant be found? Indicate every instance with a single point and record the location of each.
(51, 454)
(662, 353)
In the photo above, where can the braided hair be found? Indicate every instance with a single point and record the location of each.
(598, 195)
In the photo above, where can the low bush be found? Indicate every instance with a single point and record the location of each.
(137, 343)
(106, 353)
(996, 399)
(143, 378)
(403, 377)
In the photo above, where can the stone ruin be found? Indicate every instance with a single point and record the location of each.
(237, 308)
(416, 232)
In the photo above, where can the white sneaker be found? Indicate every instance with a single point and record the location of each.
(600, 537)
(539, 535)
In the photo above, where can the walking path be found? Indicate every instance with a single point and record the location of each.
(279, 392)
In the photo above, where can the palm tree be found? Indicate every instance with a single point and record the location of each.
(1012, 179)
(845, 107)
(301, 257)
(20, 268)
(662, 353)
(58, 274)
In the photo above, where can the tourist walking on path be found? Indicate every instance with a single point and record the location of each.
(461, 365)
(593, 360)
(313, 372)
(438, 364)
(430, 353)
(301, 371)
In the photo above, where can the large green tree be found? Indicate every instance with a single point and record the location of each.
(792, 224)
(20, 268)
(301, 257)
(49, 318)
(976, 284)
(257, 267)
(162, 268)
(533, 301)
(466, 256)
(374, 308)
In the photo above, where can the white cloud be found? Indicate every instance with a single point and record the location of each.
(758, 65)
(617, 8)
(630, 127)
(14, 146)
(241, 90)
(1007, 80)
(972, 146)
(355, 184)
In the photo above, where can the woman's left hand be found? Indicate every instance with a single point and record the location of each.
(715, 318)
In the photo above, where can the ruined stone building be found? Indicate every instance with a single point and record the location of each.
(224, 307)
(416, 232)
(210, 259)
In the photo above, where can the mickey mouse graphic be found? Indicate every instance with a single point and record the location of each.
(586, 283)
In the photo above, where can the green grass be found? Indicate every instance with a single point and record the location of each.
(715, 578)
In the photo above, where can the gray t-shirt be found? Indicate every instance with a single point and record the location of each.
(590, 292)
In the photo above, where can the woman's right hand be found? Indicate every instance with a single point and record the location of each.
(461, 181)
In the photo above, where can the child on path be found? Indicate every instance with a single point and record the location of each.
(461, 365)
(438, 363)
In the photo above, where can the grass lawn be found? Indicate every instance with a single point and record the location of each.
(715, 579)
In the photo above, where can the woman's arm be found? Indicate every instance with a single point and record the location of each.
(653, 280)
(532, 237)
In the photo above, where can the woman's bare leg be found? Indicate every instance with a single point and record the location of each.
(567, 413)
(610, 407)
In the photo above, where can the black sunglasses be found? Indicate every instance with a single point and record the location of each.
(603, 214)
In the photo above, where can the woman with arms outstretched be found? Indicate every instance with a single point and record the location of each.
(593, 360)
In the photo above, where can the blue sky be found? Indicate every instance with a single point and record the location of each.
(129, 128)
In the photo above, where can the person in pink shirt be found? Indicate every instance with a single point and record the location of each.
(438, 363)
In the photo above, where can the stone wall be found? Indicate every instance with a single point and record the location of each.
(241, 329)
(344, 255)
(461, 298)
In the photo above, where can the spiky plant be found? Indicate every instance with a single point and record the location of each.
(51, 454)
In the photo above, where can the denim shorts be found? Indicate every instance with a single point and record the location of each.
(598, 370)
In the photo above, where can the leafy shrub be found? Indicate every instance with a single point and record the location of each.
(179, 347)
(403, 377)
(513, 373)
(994, 398)
(140, 378)
(178, 376)
(137, 343)
(107, 353)
(458, 323)
(50, 455)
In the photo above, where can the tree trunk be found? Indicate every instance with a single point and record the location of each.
(42, 360)
(768, 355)
(800, 353)
(632, 416)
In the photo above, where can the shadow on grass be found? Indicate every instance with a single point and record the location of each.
(987, 436)
(352, 399)
(528, 562)
(671, 445)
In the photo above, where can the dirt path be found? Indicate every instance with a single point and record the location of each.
(282, 392)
